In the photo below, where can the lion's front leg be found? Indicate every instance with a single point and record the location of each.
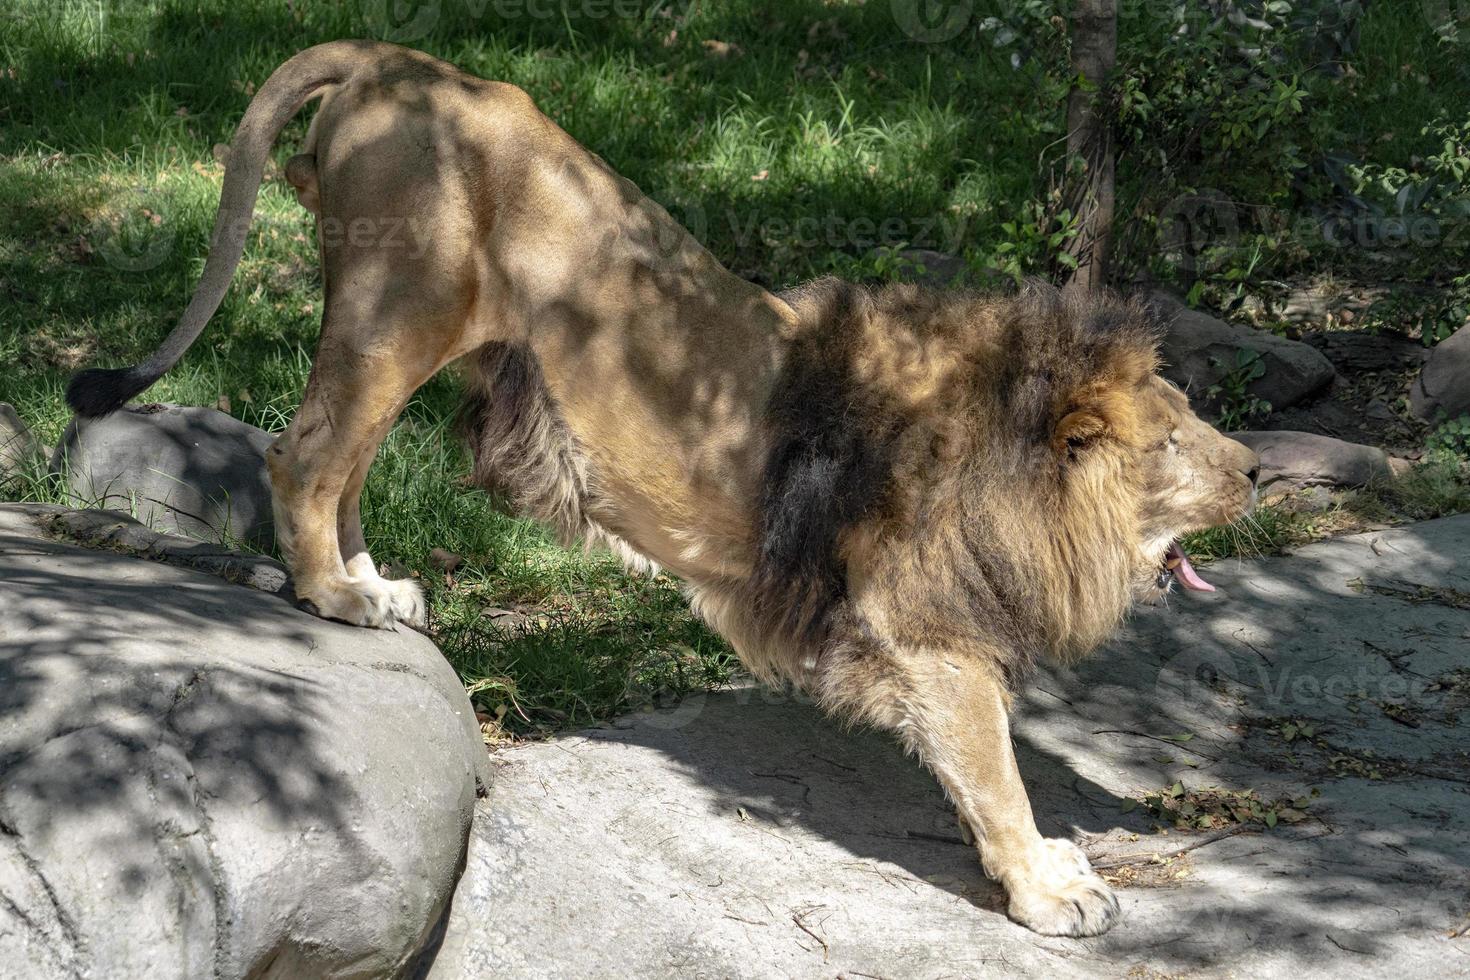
(954, 714)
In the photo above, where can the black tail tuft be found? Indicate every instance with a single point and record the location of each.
(102, 391)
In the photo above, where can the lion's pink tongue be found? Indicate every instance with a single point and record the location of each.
(1185, 572)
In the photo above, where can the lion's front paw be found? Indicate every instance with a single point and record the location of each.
(1056, 893)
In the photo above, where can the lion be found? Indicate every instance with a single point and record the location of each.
(896, 499)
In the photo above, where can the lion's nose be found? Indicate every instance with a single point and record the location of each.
(1253, 474)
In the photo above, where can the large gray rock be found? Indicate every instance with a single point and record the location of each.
(193, 471)
(931, 268)
(742, 835)
(1351, 352)
(18, 449)
(1200, 350)
(1443, 386)
(1305, 459)
(198, 780)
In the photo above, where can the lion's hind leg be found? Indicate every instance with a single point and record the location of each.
(405, 598)
(368, 365)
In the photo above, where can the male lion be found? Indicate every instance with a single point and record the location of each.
(893, 498)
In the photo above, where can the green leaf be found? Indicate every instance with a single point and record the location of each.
(1129, 804)
(1270, 818)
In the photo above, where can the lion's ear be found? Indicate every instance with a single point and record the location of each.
(1101, 413)
(1078, 430)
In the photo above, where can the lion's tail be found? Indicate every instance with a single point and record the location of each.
(98, 391)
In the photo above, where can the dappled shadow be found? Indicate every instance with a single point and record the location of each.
(194, 470)
(175, 741)
(1357, 643)
(857, 790)
(1378, 867)
(111, 664)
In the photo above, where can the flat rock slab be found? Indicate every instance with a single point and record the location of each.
(742, 835)
(198, 780)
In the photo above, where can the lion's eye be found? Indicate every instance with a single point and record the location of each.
(1174, 439)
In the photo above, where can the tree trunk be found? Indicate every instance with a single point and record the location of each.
(1089, 193)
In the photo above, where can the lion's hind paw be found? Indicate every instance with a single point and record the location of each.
(376, 603)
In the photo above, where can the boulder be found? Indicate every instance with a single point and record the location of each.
(1442, 389)
(1351, 351)
(18, 448)
(939, 268)
(193, 471)
(1305, 459)
(1200, 350)
(199, 780)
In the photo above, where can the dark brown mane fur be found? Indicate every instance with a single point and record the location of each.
(919, 416)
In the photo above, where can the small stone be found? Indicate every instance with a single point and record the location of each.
(1442, 389)
(1379, 411)
(722, 49)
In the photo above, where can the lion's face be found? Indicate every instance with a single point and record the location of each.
(1193, 478)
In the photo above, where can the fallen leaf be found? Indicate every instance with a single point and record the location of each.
(445, 561)
(722, 49)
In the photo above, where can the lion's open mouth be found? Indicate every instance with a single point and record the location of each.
(1176, 566)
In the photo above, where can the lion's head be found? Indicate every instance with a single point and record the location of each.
(1135, 469)
(973, 470)
(1195, 478)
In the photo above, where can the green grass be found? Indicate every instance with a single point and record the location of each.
(110, 110)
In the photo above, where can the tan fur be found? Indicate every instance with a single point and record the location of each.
(635, 409)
